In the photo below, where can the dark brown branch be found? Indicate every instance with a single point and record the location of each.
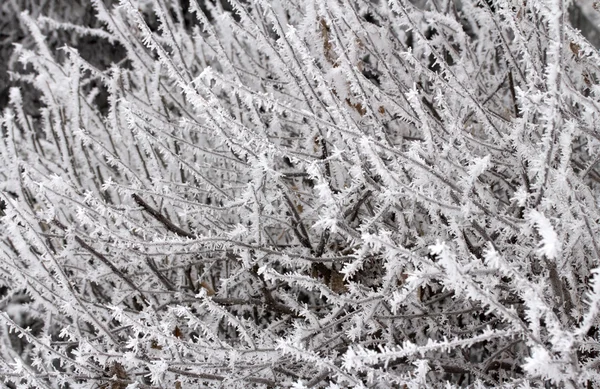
(511, 84)
(299, 228)
(215, 377)
(318, 379)
(161, 218)
(102, 259)
(354, 210)
(164, 280)
(112, 267)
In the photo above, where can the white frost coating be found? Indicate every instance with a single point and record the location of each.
(550, 244)
(302, 193)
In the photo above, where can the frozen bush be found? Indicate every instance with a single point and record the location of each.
(301, 193)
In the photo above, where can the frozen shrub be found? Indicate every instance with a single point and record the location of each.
(301, 193)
